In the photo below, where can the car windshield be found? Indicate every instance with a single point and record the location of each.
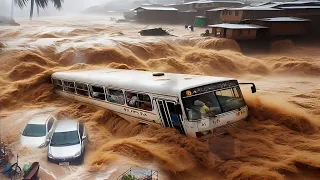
(34, 130)
(213, 103)
(65, 138)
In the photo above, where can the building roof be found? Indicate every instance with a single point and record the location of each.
(198, 2)
(150, 8)
(218, 9)
(249, 8)
(67, 125)
(169, 84)
(235, 2)
(301, 7)
(190, 11)
(40, 119)
(284, 19)
(238, 26)
(218, 1)
(283, 5)
(298, 2)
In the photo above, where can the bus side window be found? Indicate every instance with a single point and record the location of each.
(115, 96)
(82, 89)
(97, 92)
(141, 101)
(69, 86)
(57, 83)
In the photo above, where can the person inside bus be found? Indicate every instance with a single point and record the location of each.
(132, 99)
(202, 107)
(146, 104)
(214, 108)
(199, 109)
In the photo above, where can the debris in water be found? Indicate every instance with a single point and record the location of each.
(154, 32)
(140, 174)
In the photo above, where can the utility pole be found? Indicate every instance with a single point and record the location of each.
(12, 8)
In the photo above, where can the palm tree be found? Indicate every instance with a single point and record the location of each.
(40, 3)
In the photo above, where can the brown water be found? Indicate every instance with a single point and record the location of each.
(281, 140)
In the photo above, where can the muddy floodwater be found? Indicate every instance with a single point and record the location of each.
(281, 139)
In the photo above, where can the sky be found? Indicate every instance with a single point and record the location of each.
(68, 7)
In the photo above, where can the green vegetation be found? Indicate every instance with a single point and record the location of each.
(40, 3)
(129, 177)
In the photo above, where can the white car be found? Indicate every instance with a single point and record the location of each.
(38, 131)
(67, 145)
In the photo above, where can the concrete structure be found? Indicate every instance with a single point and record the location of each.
(237, 31)
(282, 26)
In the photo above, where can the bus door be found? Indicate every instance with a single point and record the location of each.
(170, 116)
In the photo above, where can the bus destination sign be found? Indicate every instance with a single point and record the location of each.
(208, 88)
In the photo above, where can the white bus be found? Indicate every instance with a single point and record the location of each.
(193, 104)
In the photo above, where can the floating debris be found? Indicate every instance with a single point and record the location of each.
(154, 32)
(138, 173)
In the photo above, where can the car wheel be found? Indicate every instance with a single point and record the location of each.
(81, 159)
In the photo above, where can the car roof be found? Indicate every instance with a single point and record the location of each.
(67, 125)
(40, 119)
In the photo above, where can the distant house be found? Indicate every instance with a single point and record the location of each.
(303, 9)
(235, 15)
(282, 26)
(157, 14)
(202, 6)
(238, 31)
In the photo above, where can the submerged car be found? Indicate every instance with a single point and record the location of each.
(68, 143)
(38, 131)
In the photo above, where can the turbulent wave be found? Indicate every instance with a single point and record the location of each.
(276, 140)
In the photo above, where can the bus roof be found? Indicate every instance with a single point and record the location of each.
(169, 84)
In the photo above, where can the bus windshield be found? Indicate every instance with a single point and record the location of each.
(209, 104)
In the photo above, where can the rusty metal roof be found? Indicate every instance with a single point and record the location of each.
(150, 8)
(284, 19)
(238, 26)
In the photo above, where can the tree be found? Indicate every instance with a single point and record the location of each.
(40, 3)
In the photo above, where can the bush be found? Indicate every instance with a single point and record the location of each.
(129, 177)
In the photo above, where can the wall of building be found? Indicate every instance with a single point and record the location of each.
(311, 14)
(202, 7)
(158, 16)
(283, 28)
(218, 32)
(258, 14)
(287, 28)
(236, 34)
(213, 17)
(239, 34)
(230, 16)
